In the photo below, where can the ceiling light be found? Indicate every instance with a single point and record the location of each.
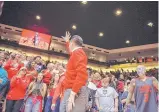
(118, 12)
(127, 42)
(38, 17)
(84, 2)
(74, 27)
(101, 34)
(150, 24)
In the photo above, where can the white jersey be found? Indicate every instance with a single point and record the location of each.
(106, 98)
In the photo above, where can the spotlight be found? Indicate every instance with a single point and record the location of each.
(101, 34)
(118, 12)
(38, 17)
(74, 27)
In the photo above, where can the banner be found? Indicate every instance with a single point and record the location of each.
(35, 39)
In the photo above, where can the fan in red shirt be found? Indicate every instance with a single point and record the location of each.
(32, 72)
(13, 65)
(9, 62)
(120, 84)
(58, 92)
(120, 89)
(16, 94)
(75, 76)
(47, 73)
(50, 94)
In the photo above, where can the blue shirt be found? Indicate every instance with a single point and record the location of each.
(124, 95)
(3, 76)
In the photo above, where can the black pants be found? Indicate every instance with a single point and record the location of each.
(13, 105)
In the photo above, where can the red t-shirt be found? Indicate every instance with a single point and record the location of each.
(52, 91)
(12, 69)
(18, 88)
(120, 86)
(8, 64)
(32, 74)
(47, 77)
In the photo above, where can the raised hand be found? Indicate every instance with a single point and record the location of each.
(67, 36)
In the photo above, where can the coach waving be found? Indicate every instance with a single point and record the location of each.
(75, 94)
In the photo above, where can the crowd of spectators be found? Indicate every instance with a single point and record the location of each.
(32, 84)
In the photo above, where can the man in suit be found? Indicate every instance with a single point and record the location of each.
(75, 97)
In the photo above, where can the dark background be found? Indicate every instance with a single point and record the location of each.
(92, 18)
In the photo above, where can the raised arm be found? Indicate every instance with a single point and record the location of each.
(67, 39)
(67, 47)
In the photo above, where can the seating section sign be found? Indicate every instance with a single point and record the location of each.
(35, 39)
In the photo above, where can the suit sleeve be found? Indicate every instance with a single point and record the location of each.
(80, 62)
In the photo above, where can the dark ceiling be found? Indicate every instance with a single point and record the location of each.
(92, 18)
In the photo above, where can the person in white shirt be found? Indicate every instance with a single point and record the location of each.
(106, 97)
